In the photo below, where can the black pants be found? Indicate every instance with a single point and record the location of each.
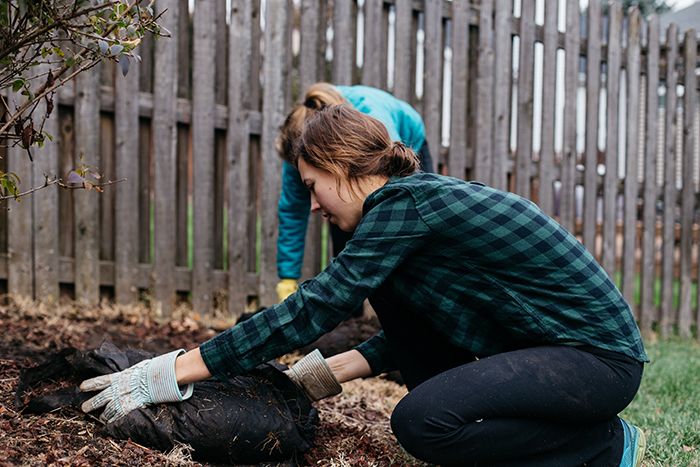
(539, 406)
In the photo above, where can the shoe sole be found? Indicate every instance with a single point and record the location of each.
(641, 448)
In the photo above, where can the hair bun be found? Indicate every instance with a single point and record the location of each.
(402, 160)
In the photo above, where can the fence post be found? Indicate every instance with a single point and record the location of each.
(523, 158)
(503, 76)
(481, 169)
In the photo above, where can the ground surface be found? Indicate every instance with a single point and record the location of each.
(354, 429)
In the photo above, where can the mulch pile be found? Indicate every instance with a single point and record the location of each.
(354, 429)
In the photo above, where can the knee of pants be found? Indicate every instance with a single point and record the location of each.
(418, 432)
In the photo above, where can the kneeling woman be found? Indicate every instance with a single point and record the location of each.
(516, 347)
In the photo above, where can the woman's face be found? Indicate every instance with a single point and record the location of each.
(335, 203)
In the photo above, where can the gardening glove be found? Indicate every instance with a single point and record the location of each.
(285, 288)
(314, 376)
(148, 382)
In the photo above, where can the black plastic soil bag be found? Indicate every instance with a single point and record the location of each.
(259, 417)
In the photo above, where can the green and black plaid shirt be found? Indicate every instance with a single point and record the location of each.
(486, 268)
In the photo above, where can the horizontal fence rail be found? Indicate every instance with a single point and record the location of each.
(592, 113)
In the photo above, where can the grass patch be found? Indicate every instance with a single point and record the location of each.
(668, 404)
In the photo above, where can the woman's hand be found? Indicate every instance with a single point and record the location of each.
(148, 382)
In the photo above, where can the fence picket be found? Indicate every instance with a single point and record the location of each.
(86, 203)
(432, 82)
(310, 70)
(372, 64)
(569, 157)
(670, 193)
(239, 202)
(632, 69)
(648, 311)
(46, 211)
(481, 170)
(523, 158)
(502, 86)
(610, 181)
(274, 107)
(460, 79)
(164, 133)
(590, 193)
(549, 71)
(203, 155)
(343, 42)
(20, 268)
(126, 214)
(404, 51)
(688, 191)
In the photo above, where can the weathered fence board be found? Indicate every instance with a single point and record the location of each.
(632, 69)
(503, 75)
(612, 106)
(126, 213)
(460, 78)
(432, 82)
(276, 23)
(526, 62)
(343, 42)
(203, 156)
(688, 193)
(569, 156)
(86, 203)
(648, 312)
(164, 176)
(481, 169)
(45, 206)
(547, 172)
(404, 75)
(670, 192)
(239, 202)
(590, 193)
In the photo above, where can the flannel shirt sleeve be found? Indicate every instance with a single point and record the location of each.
(390, 230)
(376, 353)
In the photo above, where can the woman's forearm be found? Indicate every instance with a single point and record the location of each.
(190, 367)
(349, 365)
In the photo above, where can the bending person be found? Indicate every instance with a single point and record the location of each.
(401, 121)
(515, 345)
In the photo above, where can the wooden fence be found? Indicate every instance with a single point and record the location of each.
(571, 108)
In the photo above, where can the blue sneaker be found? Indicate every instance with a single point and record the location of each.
(634, 447)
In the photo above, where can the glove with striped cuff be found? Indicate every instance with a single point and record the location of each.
(314, 376)
(148, 382)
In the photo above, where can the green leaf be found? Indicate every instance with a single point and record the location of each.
(116, 49)
(18, 84)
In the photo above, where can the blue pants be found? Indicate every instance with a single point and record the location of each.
(538, 406)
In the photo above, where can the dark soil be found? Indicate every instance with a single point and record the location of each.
(354, 427)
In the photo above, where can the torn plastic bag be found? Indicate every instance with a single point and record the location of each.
(259, 417)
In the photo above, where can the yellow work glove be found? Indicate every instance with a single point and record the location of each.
(285, 288)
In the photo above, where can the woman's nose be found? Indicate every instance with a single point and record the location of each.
(314, 204)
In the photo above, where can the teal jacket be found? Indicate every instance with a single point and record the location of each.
(403, 124)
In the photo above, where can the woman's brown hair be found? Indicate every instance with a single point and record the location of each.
(317, 96)
(351, 145)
